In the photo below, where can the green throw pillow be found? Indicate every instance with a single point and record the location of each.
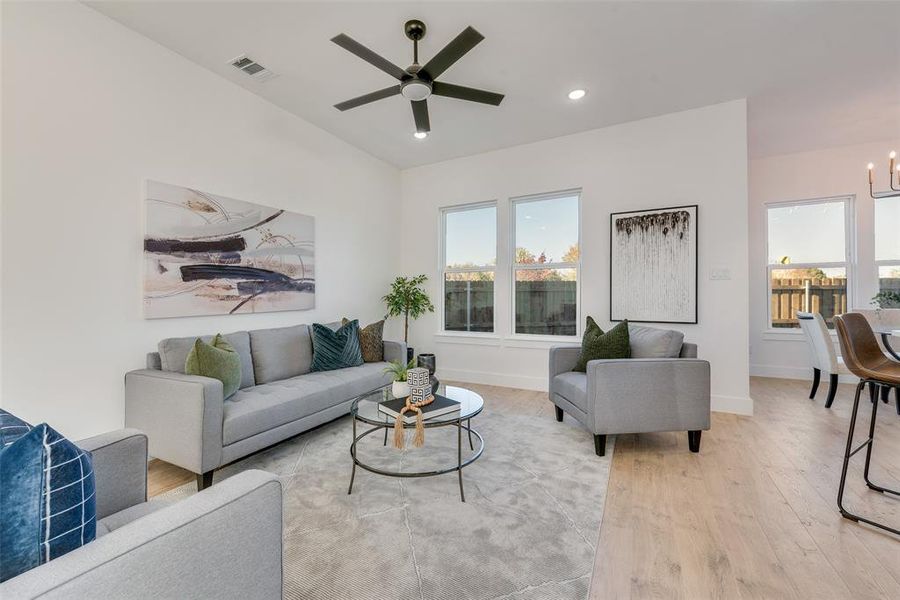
(217, 360)
(336, 349)
(597, 345)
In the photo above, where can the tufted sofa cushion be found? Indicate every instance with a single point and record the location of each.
(270, 405)
(281, 353)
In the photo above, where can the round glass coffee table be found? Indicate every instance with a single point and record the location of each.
(364, 410)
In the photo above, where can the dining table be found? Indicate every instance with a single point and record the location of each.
(886, 334)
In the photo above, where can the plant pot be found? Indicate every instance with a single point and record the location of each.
(400, 389)
(428, 361)
(410, 352)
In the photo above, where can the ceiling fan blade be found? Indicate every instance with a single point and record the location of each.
(451, 53)
(420, 114)
(366, 98)
(465, 93)
(351, 45)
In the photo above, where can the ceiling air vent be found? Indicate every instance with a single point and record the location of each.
(252, 68)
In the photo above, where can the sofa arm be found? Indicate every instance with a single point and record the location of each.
(224, 542)
(181, 415)
(395, 351)
(120, 469)
(648, 394)
(563, 359)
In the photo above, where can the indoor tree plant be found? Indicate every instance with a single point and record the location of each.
(408, 298)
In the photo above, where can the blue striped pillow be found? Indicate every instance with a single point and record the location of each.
(336, 349)
(47, 502)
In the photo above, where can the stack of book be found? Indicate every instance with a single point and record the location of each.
(440, 407)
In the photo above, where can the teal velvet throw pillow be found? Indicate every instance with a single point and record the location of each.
(596, 345)
(218, 360)
(336, 349)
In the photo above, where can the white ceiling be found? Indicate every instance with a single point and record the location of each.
(815, 74)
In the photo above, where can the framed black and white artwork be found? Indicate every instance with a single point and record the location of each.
(653, 265)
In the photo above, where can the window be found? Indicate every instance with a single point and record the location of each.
(808, 245)
(470, 261)
(887, 244)
(545, 264)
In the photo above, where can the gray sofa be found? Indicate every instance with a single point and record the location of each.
(222, 543)
(662, 387)
(191, 425)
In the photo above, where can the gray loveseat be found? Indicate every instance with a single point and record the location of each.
(662, 387)
(191, 425)
(222, 543)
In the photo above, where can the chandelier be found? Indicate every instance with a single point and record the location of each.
(893, 168)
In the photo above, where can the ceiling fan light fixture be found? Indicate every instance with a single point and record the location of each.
(420, 135)
(577, 94)
(415, 90)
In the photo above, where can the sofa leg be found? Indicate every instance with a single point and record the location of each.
(817, 374)
(559, 414)
(600, 444)
(832, 389)
(204, 480)
(694, 440)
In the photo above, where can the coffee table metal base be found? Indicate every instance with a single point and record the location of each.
(460, 463)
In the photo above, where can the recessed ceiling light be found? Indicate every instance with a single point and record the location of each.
(577, 94)
(420, 135)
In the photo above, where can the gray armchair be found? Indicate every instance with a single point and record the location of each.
(635, 395)
(224, 542)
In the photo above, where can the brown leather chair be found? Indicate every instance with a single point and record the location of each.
(864, 358)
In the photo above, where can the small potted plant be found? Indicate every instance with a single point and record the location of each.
(408, 298)
(398, 370)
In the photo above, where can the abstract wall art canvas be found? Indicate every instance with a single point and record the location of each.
(653, 265)
(210, 255)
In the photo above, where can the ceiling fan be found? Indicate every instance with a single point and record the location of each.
(417, 82)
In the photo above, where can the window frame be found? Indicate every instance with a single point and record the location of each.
(444, 270)
(849, 254)
(884, 262)
(514, 267)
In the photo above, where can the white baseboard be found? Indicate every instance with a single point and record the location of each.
(802, 373)
(719, 403)
(524, 382)
(732, 404)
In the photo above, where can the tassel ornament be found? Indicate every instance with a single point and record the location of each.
(399, 430)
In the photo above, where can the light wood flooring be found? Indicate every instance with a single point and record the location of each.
(753, 515)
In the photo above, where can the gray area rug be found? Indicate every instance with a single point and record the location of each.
(528, 529)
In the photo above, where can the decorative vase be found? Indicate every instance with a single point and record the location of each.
(417, 376)
(410, 352)
(400, 389)
(428, 361)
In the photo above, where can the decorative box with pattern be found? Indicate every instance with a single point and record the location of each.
(418, 376)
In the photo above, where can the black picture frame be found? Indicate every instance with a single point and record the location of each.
(612, 219)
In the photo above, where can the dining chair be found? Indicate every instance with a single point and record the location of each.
(864, 358)
(822, 354)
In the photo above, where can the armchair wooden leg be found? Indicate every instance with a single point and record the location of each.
(600, 445)
(832, 389)
(694, 440)
(559, 414)
(817, 374)
(204, 480)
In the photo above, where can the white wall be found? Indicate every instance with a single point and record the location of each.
(820, 174)
(92, 109)
(693, 157)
